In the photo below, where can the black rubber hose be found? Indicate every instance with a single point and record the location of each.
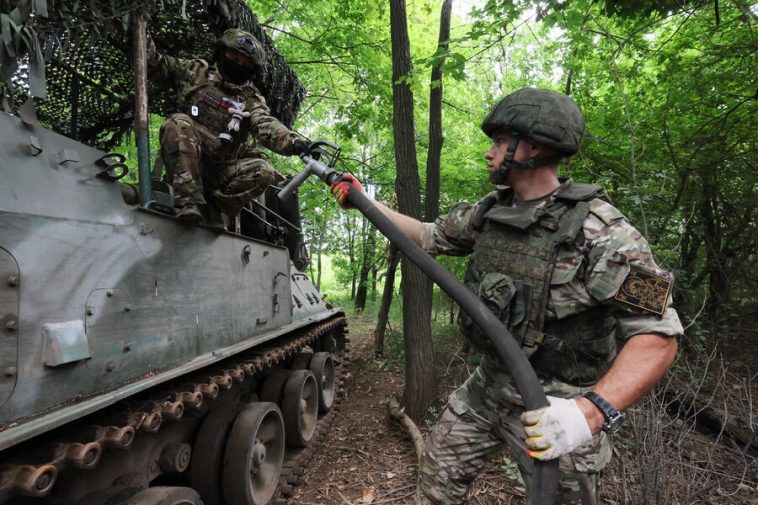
(544, 484)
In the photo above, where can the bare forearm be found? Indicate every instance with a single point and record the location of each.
(640, 364)
(409, 226)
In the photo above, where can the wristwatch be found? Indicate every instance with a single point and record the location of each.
(611, 414)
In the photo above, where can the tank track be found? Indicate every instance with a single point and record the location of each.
(34, 473)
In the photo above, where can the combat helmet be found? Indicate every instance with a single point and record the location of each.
(245, 44)
(551, 119)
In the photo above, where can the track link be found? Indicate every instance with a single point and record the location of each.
(33, 472)
(296, 461)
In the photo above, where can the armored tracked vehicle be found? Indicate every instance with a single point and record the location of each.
(144, 360)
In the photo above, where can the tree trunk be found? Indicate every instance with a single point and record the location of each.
(351, 253)
(367, 262)
(384, 310)
(436, 139)
(420, 383)
(374, 274)
(319, 252)
(718, 283)
(318, 268)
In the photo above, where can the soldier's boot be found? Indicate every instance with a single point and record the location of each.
(190, 213)
(213, 217)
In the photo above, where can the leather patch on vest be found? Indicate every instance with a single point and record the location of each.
(645, 290)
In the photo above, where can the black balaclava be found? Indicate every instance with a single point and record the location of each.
(234, 72)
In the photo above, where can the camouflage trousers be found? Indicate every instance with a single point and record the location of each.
(199, 168)
(482, 419)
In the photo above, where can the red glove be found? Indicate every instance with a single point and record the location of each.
(341, 189)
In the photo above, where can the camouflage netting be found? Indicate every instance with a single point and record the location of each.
(79, 49)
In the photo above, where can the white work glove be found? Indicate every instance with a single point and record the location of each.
(555, 430)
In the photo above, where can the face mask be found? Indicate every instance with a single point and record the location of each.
(235, 73)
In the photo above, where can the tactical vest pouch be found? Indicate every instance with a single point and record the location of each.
(206, 109)
(516, 259)
(506, 299)
(578, 349)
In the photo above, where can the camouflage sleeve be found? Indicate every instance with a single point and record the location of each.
(267, 129)
(621, 272)
(451, 234)
(176, 71)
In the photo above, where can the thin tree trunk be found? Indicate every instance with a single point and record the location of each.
(367, 259)
(310, 265)
(718, 283)
(319, 268)
(351, 254)
(374, 274)
(384, 310)
(436, 138)
(420, 383)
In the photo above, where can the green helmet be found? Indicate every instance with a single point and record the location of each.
(550, 118)
(245, 43)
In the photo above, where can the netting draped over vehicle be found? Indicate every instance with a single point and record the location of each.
(80, 51)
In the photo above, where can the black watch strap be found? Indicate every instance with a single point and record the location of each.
(611, 414)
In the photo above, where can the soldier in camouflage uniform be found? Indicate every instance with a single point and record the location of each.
(577, 286)
(204, 148)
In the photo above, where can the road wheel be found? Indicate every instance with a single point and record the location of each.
(254, 455)
(206, 465)
(301, 360)
(273, 387)
(300, 407)
(165, 496)
(322, 366)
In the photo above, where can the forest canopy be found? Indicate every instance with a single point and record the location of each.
(668, 90)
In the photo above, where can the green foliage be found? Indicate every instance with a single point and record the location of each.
(510, 468)
(667, 90)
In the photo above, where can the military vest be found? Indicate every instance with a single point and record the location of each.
(208, 105)
(510, 271)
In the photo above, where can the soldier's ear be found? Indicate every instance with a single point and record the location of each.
(540, 149)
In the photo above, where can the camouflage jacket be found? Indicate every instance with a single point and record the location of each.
(588, 273)
(197, 82)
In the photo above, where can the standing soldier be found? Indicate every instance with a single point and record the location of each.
(204, 148)
(577, 287)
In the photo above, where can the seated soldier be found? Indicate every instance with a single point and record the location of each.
(204, 148)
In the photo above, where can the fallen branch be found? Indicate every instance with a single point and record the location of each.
(399, 415)
(713, 418)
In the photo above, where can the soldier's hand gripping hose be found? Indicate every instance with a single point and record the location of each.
(555, 430)
(302, 147)
(544, 484)
(341, 189)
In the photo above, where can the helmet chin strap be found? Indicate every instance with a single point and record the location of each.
(499, 176)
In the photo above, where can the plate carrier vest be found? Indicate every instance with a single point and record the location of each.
(510, 271)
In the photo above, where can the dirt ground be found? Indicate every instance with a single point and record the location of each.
(368, 458)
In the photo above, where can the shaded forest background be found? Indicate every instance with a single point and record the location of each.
(668, 89)
(669, 93)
